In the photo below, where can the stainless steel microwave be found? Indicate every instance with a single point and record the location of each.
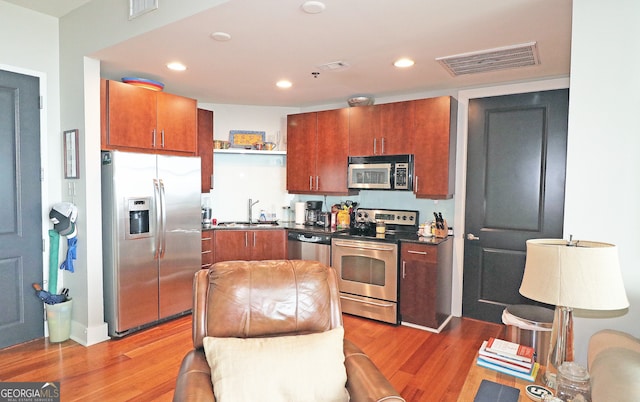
(382, 172)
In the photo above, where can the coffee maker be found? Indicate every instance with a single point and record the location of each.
(312, 212)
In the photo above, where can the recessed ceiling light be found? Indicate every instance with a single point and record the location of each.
(176, 66)
(404, 62)
(284, 84)
(220, 36)
(313, 7)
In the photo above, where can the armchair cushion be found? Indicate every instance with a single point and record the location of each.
(306, 367)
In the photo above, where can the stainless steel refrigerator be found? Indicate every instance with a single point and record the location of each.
(151, 225)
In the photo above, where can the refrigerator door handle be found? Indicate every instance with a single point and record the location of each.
(158, 205)
(163, 240)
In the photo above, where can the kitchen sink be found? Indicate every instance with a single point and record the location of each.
(247, 225)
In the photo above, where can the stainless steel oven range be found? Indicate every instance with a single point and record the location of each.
(367, 262)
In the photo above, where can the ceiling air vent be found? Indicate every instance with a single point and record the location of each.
(483, 61)
(333, 66)
(139, 7)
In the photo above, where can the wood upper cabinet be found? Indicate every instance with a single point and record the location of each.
(301, 152)
(136, 118)
(363, 129)
(205, 148)
(268, 244)
(396, 127)
(434, 147)
(425, 283)
(317, 152)
(385, 129)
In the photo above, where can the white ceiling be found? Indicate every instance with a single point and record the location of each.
(273, 40)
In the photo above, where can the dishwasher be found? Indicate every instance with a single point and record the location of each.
(310, 246)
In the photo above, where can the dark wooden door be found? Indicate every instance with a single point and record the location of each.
(21, 312)
(516, 166)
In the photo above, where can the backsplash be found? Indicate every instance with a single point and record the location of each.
(238, 177)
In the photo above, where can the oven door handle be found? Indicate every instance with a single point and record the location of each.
(367, 302)
(363, 247)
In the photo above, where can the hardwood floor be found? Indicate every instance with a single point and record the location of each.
(421, 365)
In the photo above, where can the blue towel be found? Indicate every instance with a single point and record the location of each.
(71, 254)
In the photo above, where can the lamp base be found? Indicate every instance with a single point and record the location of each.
(561, 347)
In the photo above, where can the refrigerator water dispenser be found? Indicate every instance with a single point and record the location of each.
(137, 226)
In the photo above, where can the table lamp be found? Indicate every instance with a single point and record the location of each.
(571, 275)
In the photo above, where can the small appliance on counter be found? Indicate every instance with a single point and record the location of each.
(313, 211)
(206, 217)
(300, 212)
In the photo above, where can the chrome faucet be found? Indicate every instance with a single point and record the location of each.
(251, 204)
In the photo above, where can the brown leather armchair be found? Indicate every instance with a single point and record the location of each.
(310, 286)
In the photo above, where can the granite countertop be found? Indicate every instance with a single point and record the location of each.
(407, 237)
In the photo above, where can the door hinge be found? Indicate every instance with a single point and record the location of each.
(41, 101)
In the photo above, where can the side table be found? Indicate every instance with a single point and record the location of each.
(477, 374)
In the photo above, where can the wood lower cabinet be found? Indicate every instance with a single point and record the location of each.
(207, 249)
(425, 283)
(434, 147)
(267, 244)
(139, 119)
(317, 152)
(205, 148)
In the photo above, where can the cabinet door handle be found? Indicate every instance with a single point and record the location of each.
(415, 184)
(254, 239)
(311, 183)
(382, 146)
(153, 138)
(317, 182)
(404, 271)
(246, 239)
(162, 138)
(417, 252)
(375, 143)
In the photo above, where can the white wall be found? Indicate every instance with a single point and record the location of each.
(36, 54)
(603, 188)
(86, 30)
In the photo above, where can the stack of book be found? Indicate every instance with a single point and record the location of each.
(509, 358)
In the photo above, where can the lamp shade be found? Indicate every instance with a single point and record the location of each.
(581, 274)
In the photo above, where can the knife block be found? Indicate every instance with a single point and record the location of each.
(441, 233)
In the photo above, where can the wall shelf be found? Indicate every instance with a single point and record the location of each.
(247, 151)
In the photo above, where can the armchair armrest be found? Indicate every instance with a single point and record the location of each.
(365, 382)
(194, 379)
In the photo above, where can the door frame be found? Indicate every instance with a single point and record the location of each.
(461, 168)
(44, 168)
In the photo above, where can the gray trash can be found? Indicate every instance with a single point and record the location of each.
(530, 326)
